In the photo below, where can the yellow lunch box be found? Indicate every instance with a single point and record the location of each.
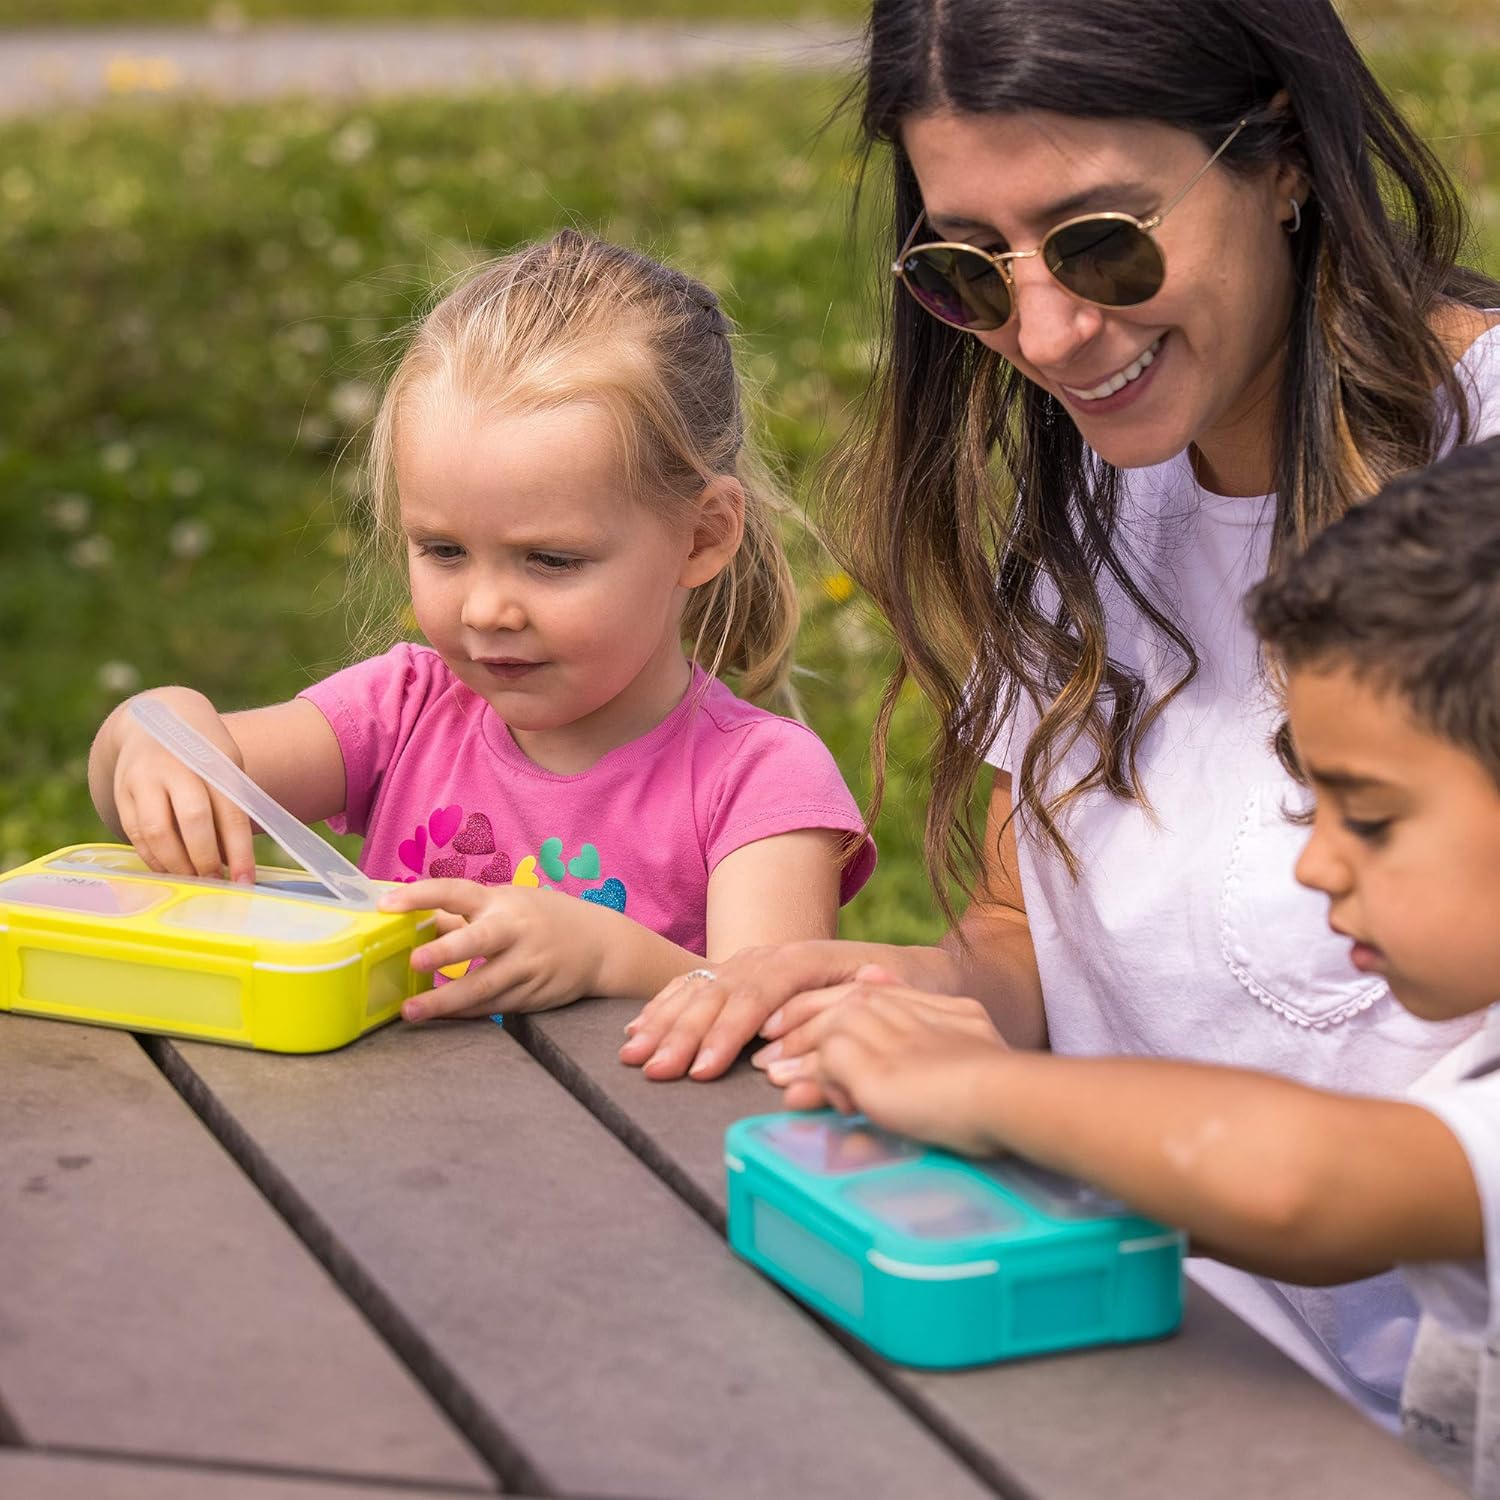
(90, 933)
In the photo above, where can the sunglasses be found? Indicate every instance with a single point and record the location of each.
(1109, 259)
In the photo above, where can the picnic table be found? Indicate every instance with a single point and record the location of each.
(463, 1259)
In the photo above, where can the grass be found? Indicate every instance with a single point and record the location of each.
(193, 308)
(1408, 15)
(231, 14)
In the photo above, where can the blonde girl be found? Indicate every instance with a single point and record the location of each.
(561, 460)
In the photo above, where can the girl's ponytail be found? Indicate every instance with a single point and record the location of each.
(744, 623)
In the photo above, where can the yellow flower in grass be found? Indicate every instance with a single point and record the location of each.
(838, 586)
(135, 75)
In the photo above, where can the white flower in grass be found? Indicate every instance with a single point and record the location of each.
(352, 402)
(262, 151)
(92, 553)
(119, 677)
(116, 457)
(314, 431)
(133, 328)
(189, 539)
(307, 338)
(667, 130)
(69, 512)
(353, 143)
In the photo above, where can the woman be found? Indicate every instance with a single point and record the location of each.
(1139, 350)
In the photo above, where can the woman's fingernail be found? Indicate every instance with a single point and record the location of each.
(766, 1056)
(703, 1062)
(411, 1011)
(785, 1071)
(631, 1027)
(773, 1022)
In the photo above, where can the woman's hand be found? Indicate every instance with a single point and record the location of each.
(697, 1025)
(537, 948)
(178, 824)
(922, 1065)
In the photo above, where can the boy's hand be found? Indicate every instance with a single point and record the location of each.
(917, 1064)
(178, 824)
(540, 948)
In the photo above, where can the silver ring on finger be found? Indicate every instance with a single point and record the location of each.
(699, 974)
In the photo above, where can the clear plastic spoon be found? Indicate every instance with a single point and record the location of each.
(319, 858)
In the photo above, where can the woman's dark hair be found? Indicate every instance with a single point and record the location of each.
(967, 504)
(1404, 593)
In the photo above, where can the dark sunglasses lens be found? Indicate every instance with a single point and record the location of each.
(959, 286)
(1109, 261)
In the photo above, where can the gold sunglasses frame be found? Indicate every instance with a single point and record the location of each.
(1000, 260)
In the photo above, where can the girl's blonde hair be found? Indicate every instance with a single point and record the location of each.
(577, 319)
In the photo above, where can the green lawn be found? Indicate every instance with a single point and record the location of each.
(1414, 14)
(228, 13)
(192, 308)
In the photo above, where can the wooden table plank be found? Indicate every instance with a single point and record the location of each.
(1214, 1411)
(594, 1333)
(152, 1303)
(33, 1475)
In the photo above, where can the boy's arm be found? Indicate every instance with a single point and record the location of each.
(1272, 1176)
(1275, 1177)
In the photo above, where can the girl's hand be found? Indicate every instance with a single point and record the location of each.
(921, 1065)
(540, 948)
(178, 824)
(698, 1026)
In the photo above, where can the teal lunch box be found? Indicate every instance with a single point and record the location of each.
(937, 1261)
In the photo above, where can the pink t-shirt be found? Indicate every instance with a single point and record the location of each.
(438, 788)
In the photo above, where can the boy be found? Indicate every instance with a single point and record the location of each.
(1387, 633)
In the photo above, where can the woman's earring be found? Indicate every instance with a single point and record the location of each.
(1296, 223)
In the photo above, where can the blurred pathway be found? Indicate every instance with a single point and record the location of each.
(40, 69)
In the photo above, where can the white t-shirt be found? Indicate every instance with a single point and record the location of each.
(1450, 1402)
(1186, 934)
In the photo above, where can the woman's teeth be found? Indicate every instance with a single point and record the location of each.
(1120, 379)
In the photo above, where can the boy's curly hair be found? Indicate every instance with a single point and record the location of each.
(1404, 592)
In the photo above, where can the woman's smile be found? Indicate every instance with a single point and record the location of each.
(1122, 388)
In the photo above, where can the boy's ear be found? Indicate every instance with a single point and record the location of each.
(718, 529)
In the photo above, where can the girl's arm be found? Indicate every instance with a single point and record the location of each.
(542, 948)
(1272, 1176)
(180, 825)
(773, 991)
(778, 890)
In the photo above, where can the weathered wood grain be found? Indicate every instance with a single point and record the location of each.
(152, 1303)
(588, 1330)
